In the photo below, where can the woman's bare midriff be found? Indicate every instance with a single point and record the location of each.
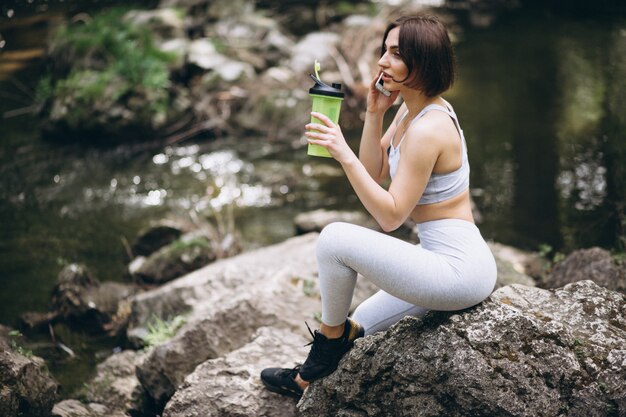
(458, 207)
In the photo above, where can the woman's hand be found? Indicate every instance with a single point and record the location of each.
(330, 137)
(378, 102)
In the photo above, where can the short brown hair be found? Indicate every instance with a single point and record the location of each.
(425, 48)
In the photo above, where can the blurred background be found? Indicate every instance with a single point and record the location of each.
(115, 114)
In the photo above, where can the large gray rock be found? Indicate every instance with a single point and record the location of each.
(116, 385)
(26, 387)
(224, 303)
(595, 264)
(230, 386)
(216, 332)
(524, 352)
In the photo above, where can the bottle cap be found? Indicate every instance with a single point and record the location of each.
(322, 89)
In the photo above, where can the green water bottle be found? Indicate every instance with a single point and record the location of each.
(326, 100)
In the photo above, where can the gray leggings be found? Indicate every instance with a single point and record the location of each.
(451, 269)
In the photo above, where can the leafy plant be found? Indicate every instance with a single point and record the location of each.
(109, 59)
(16, 346)
(160, 331)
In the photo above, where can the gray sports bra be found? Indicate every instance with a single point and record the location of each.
(440, 187)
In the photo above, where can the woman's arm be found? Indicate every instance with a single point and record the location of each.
(392, 207)
(372, 149)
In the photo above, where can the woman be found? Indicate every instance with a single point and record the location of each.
(424, 153)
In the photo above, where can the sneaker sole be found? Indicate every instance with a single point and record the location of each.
(282, 390)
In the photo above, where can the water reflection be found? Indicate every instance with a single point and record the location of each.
(547, 138)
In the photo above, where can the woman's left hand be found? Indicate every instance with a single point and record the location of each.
(330, 137)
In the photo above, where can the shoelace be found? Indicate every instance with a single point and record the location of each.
(318, 347)
(290, 372)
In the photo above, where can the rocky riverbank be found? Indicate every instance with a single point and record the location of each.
(202, 68)
(199, 342)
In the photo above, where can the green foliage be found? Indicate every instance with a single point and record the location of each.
(160, 331)
(619, 258)
(544, 250)
(318, 316)
(547, 251)
(308, 287)
(16, 346)
(110, 60)
(201, 241)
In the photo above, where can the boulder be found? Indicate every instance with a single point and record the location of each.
(176, 259)
(251, 38)
(523, 352)
(26, 387)
(316, 45)
(315, 221)
(116, 384)
(230, 385)
(79, 296)
(513, 265)
(224, 304)
(596, 264)
(156, 236)
(75, 408)
(203, 54)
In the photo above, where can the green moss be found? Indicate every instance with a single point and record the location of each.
(110, 60)
(181, 245)
(14, 334)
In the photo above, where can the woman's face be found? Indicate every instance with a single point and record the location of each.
(393, 67)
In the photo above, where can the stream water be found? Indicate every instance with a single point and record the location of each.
(541, 98)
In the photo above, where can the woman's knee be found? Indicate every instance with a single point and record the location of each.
(332, 237)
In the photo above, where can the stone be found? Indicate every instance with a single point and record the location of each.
(191, 252)
(165, 23)
(235, 297)
(37, 320)
(26, 387)
(116, 384)
(223, 305)
(512, 265)
(293, 259)
(596, 264)
(178, 48)
(228, 71)
(316, 45)
(79, 296)
(75, 408)
(156, 236)
(230, 385)
(203, 54)
(315, 221)
(523, 352)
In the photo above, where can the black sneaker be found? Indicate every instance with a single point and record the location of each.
(282, 381)
(325, 353)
